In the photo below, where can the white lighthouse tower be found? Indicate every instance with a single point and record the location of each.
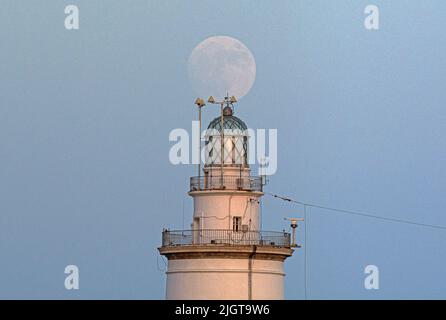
(224, 254)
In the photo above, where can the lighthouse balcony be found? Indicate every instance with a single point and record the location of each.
(216, 237)
(239, 183)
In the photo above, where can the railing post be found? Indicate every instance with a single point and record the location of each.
(163, 237)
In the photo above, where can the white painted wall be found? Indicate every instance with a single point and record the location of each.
(216, 209)
(224, 279)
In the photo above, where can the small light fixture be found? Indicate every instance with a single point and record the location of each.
(211, 99)
(200, 102)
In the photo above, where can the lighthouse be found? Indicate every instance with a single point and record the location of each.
(224, 255)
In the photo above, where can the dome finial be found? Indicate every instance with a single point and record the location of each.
(227, 111)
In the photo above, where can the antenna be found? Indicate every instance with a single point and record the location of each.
(294, 225)
(200, 104)
(262, 164)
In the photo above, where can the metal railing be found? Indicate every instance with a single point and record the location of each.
(228, 183)
(225, 237)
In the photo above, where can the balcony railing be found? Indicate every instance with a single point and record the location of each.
(211, 237)
(228, 183)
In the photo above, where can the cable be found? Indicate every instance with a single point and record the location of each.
(158, 264)
(260, 215)
(183, 213)
(215, 217)
(305, 252)
(165, 263)
(357, 213)
(368, 215)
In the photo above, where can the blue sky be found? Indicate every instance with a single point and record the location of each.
(85, 115)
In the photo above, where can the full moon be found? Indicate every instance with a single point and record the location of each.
(221, 65)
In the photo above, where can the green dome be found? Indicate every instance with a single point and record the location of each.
(229, 122)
